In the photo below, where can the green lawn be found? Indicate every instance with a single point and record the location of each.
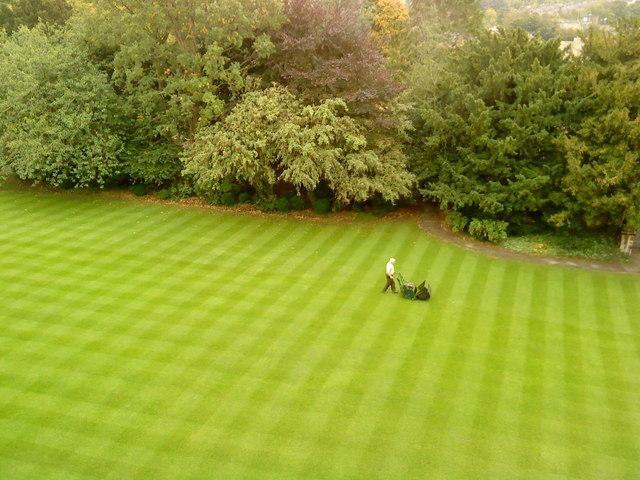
(142, 341)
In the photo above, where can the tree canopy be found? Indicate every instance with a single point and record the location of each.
(362, 101)
(272, 138)
(602, 141)
(485, 141)
(513, 130)
(177, 65)
(60, 116)
(326, 50)
(28, 13)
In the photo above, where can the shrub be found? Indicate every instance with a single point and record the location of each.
(322, 205)
(456, 221)
(381, 211)
(244, 197)
(226, 194)
(140, 189)
(146, 163)
(228, 199)
(282, 205)
(492, 230)
(182, 189)
(229, 187)
(164, 194)
(297, 203)
(266, 204)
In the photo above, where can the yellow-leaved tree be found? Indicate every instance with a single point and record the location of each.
(390, 28)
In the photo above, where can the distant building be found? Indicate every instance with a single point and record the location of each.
(574, 47)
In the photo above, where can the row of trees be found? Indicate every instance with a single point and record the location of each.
(514, 131)
(357, 101)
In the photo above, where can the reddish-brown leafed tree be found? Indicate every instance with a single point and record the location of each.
(325, 49)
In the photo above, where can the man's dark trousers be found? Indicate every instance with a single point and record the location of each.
(391, 284)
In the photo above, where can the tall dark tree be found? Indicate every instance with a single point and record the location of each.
(602, 140)
(486, 128)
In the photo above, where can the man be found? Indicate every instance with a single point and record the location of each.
(391, 272)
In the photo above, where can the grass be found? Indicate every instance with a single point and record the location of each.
(593, 246)
(142, 341)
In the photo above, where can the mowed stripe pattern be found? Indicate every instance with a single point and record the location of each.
(146, 341)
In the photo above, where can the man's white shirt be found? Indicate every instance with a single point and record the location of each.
(390, 269)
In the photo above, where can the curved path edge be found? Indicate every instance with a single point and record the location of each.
(432, 222)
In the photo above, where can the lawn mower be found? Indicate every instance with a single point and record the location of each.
(410, 291)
